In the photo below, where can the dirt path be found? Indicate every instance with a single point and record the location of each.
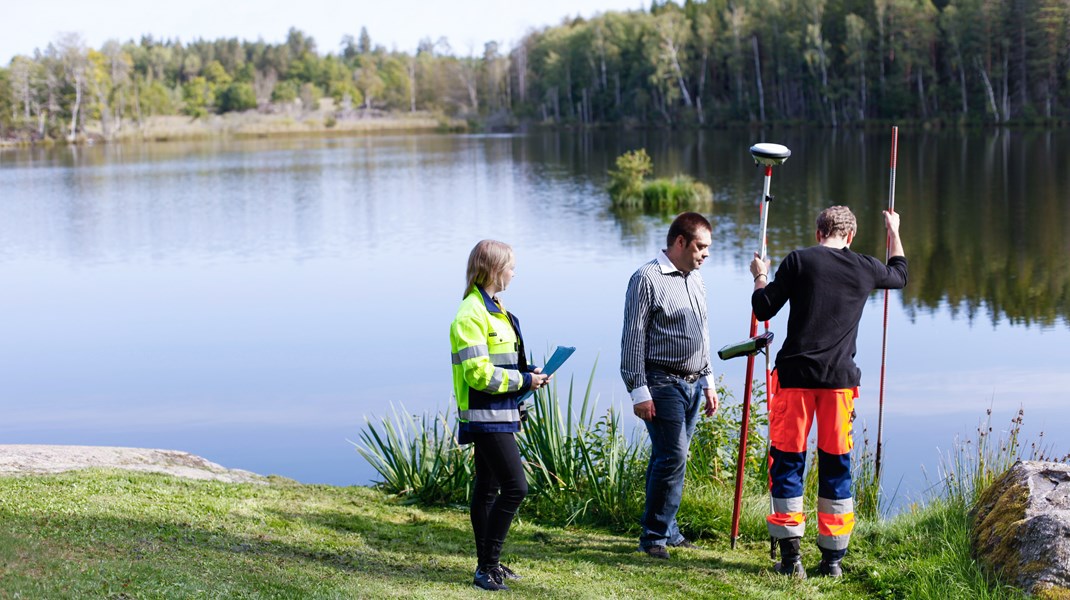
(26, 458)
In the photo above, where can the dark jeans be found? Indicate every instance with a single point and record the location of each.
(500, 487)
(676, 408)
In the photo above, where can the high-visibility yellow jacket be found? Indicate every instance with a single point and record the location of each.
(490, 372)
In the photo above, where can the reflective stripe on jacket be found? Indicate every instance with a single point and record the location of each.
(490, 372)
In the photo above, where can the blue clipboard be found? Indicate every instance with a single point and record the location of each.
(560, 355)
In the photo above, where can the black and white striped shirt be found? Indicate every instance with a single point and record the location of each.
(664, 324)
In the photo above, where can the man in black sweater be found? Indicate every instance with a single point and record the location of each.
(827, 286)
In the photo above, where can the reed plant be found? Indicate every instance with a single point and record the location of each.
(614, 474)
(580, 469)
(418, 457)
(866, 488)
(549, 440)
(971, 466)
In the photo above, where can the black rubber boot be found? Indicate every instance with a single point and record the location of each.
(790, 558)
(830, 565)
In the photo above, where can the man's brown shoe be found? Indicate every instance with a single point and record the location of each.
(660, 552)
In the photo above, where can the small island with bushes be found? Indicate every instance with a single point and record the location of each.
(629, 187)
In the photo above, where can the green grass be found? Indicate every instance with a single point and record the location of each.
(111, 534)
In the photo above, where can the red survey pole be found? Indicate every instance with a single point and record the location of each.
(768, 155)
(884, 340)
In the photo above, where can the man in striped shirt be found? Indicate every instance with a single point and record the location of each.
(665, 363)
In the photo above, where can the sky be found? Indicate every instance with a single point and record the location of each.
(395, 24)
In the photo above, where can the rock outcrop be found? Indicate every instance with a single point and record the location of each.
(1021, 528)
(29, 458)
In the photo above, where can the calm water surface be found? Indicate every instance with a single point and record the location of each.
(254, 301)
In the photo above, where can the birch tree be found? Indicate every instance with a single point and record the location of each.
(73, 56)
(855, 53)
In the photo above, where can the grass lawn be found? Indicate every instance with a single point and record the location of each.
(115, 534)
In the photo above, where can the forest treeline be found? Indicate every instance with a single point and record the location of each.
(827, 62)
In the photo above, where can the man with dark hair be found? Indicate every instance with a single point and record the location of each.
(827, 286)
(665, 363)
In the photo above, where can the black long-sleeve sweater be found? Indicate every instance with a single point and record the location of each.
(827, 289)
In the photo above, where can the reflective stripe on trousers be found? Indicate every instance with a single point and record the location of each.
(787, 519)
(835, 521)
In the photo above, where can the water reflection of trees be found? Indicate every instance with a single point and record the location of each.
(996, 221)
(986, 215)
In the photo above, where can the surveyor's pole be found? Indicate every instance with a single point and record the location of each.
(884, 339)
(767, 155)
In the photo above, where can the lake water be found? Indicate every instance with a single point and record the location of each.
(254, 301)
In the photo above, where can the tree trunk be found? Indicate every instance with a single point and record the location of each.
(105, 115)
(77, 107)
(962, 86)
(758, 78)
(1006, 88)
(921, 95)
(679, 73)
(702, 75)
(988, 88)
(522, 72)
(605, 83)
(568, 85)
(862, 91)
(880, 47)
(1023, 81)
(137, 103)
(1047, 98)
(412, 85)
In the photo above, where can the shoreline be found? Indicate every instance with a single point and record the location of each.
(324, 122)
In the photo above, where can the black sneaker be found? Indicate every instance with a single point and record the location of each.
(830, 568)
(508, 573)
(489, 579)
(687, 544)
(791, 569)
(660, 552)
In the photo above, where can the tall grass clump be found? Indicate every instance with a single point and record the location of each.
(629, 187)
(418, 457)
(715, 446)
(866, 487)
(581, 469)
(971, 466)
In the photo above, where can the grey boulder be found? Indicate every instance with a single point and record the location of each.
(1021, 528)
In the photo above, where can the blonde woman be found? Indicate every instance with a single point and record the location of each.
(490, 375)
